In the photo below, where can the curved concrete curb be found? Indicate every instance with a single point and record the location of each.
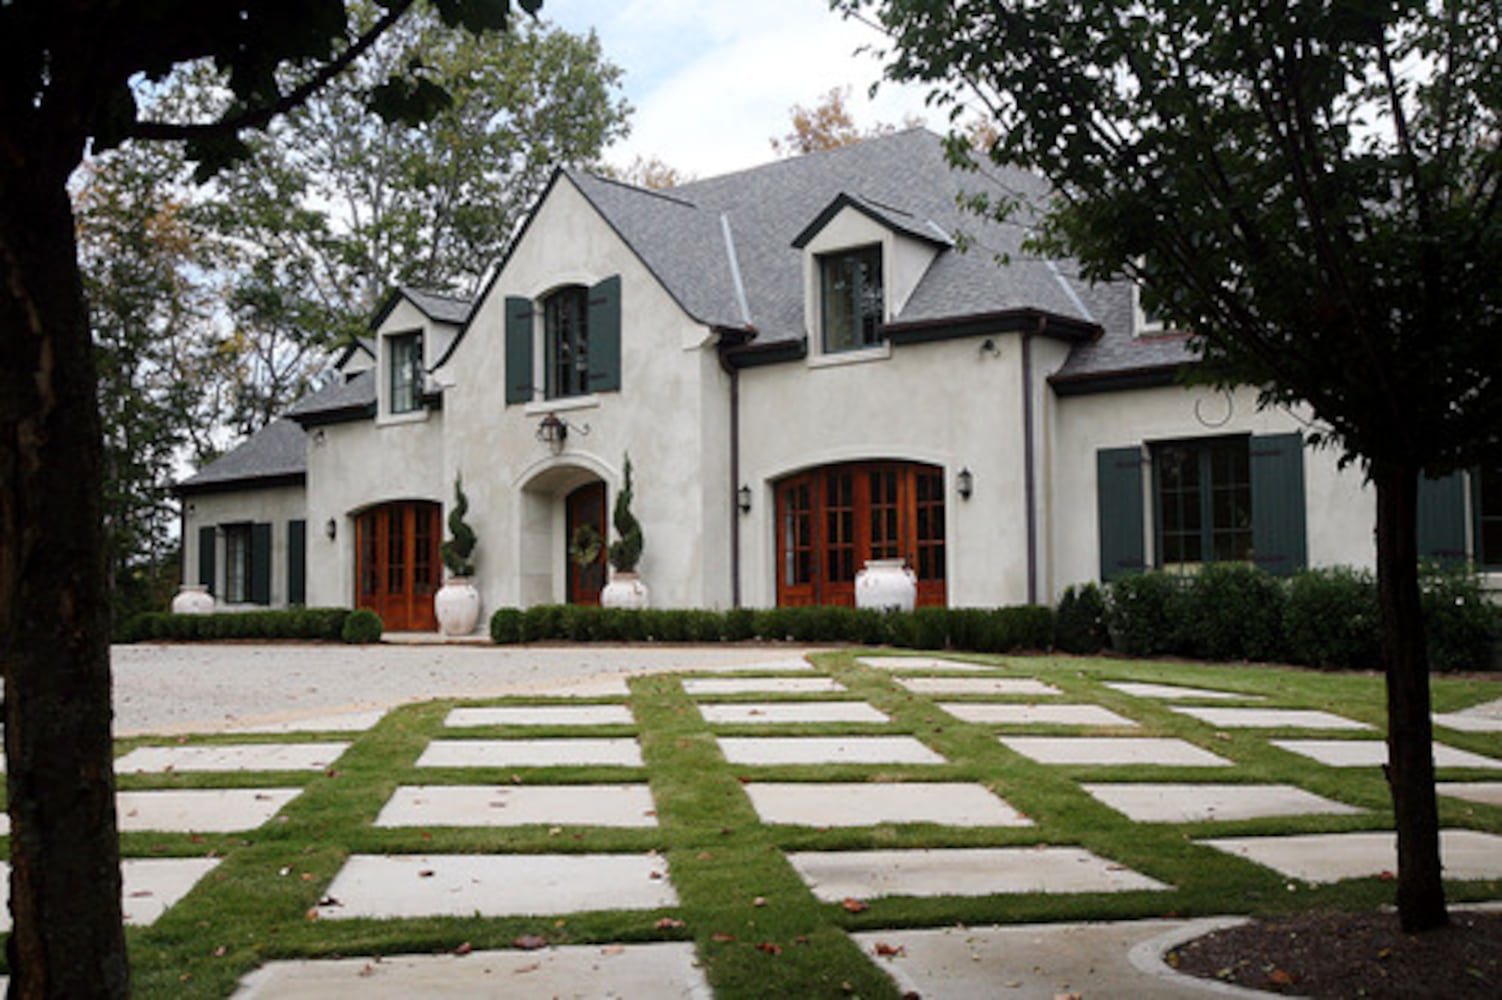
(1147, 957)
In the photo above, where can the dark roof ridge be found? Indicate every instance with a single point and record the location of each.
(634, 188)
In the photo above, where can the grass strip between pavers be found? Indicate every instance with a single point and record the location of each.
(758, 929)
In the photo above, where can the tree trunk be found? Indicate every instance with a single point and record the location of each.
(1410, 731)
(67, 939)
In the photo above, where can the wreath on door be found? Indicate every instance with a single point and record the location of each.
(584, 545)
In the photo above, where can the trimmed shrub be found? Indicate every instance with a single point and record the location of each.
(1332, 620)
(506, 626)
(1139, 613)
(541, 622)
(1025, 626)
(1458, 619)
(1231, 611)
(325, 624)
(362, 627)
(1080, 622)
(740, 625)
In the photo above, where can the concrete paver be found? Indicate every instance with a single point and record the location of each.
(193, 810)
(1269, 718)
(989, 713)
(1044, 961)
(540, 715)
(696, 686)
(495, 885)
(622, 751)
(1489, 792)
(149, 886)
(665, 970)
(1176, 692)
(1470, 721)
(790, 711)
(334, 722)
(519, 805)
(1114, 750)
(826, 750)
(921, 663)
(837, 875)
(1206, 803)
(232, 757)
(1373, 753)
(831, 804)
(1330, 857)
(1020, 686)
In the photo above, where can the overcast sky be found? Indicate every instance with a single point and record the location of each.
(712, 81)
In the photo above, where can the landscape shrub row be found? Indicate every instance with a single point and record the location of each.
(999, 630)
(290, 623)
(1326, 618)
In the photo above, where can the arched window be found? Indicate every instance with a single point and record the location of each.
(831, 520)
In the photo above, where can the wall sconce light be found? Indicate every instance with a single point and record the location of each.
(331, 528)
(552, 432)
(965, 483)
(743, 499)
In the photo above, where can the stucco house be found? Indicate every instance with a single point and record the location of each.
(811, 363)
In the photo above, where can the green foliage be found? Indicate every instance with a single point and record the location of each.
(1138, 613)
(1332, 619)
(1459, 621)
(1232, 611)
(625, 551)
(506, 626)
(461, 543)
(362, 627)
(325, 624)
(1080, 623)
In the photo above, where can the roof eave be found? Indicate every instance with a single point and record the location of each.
(1119, 380)
(241, 483)
(1035, 321)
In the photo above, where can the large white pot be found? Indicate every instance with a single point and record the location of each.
(457, 605)
(886, 585)
(193, 599)
(625, 590)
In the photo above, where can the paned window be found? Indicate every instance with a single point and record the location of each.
(1488, 498)
(406, 372)
(566, 317)
(237, 563)
(832, 520)
(851, 296)
(1204, 501)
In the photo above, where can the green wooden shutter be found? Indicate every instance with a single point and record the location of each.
(1118, 499)
(1279, 542)
(260, 564)
(605, 336)
(518, 350)
(206, 558)
(1441, 517)
(297, 562)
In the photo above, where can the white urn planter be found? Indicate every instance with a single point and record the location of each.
(193, 599)
(886, 585)
(457, 606)
(625, 590)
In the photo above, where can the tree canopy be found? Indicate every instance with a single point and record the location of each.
(1313, 190)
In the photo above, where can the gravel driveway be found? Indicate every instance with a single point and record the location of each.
(202, 688)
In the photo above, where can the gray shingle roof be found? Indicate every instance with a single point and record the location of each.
(276, 451)
(440, 307)
(340, 399)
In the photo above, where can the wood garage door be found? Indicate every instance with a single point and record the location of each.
(832, 519)
(397, 567)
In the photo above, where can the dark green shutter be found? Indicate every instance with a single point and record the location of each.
(1279, 543)
(1441, 517)
(1118, 498)
(260, 564)
(518, 350)
(297, 562)
(605, 336)
(206, 558)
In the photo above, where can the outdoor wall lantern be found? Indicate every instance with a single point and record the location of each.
(331, 528)
(743, 499)
(965, 483)
(552, 432)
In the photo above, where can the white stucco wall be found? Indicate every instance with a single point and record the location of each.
(1340, 510)
(670, 414)
(275, 505)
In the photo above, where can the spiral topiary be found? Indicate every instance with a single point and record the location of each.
(625, 551)
(456, 550)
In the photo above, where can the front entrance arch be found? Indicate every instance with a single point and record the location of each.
(585, 506)
(832, 519)
(397, 563)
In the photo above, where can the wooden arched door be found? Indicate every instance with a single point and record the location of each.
(397, 566)
(585, 505)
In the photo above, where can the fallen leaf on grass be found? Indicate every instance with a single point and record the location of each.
(855, 905)
(722, 937)
(668, 924)
(1280, 977)
(220, 951)
(464, 949)
(530, 942)
(759, 901)
(888, 950)
(770, 947)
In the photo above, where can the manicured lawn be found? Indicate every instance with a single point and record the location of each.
(758, 929)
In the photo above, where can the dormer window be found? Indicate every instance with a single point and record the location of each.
(404, 352)
(566, 319)
(852, 301)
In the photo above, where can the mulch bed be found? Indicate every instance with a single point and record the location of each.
(1353, 955)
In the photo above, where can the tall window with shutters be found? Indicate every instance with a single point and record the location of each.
(566, 322)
